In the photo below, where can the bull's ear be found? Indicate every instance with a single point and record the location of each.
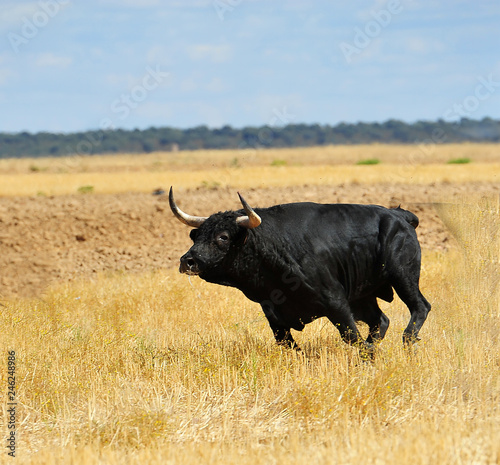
(193, 234)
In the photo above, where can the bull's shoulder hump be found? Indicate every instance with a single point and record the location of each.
(317, 214)
(310, 207)
(314, 205)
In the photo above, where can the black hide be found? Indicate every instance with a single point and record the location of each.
(307, 261)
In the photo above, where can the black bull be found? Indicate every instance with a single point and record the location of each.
(302, 261)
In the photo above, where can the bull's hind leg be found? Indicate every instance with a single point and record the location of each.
(409, 292)
(419, 308)
(403, 269)
(367, 310)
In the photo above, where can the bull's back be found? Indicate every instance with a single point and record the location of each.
(336, 244)
(312, 221)
(346, 220)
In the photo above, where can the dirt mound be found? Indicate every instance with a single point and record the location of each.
(46, 240)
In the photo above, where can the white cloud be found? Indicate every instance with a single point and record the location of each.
(277, 110)
(155, 111)
(213, 53)
(123, 81)
(195, 83)
(5, 75)
(159, 54)
(188, 85)
(12, 14)
(425, 46)
(188, 3)
(212, 114)
(366, 14)
(169, 4)
(216, 85)
(5, 72)
(133, 3)
(50, 59)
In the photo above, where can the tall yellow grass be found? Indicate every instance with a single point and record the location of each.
(157, 369)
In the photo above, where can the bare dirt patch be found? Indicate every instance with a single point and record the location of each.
(45, 240)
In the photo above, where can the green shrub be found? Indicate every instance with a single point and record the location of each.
(85, 189)
(211, 185)
(459, 161)
(369, 161)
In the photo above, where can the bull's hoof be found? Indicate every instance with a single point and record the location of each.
(289, 345)
(409, 340)
(367, 352)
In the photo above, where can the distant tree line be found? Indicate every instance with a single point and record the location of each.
(293, 135)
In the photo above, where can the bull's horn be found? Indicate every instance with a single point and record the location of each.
(194, 221)
(252, 220)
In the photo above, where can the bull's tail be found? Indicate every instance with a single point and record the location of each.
(409, 217)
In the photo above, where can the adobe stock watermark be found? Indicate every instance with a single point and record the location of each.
(222, 7)
(122, 108)
(31, 26)
(486, 87)
(364, 36)
(483, 91)
(131, 100)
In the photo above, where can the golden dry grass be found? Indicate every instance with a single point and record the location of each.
(244, 178)
(209, 159)
(155, 369)
(249, 168)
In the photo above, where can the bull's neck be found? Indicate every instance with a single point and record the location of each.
(258, 264)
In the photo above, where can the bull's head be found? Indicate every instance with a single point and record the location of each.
(216, 238)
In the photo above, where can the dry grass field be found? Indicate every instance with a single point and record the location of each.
(257, 177)
(154, 368)
(329, 155)
(251, 168)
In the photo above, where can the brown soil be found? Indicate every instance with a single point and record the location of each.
(48, 240)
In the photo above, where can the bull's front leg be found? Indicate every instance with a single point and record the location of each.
(283, 336)
(350, 334)
(342, 317)
(281, 331)
(367, 310)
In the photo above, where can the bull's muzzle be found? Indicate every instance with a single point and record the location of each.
(189, 265)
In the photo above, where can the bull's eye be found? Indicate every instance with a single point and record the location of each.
(222, 238)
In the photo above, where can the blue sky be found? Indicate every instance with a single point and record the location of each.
(68, 65)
